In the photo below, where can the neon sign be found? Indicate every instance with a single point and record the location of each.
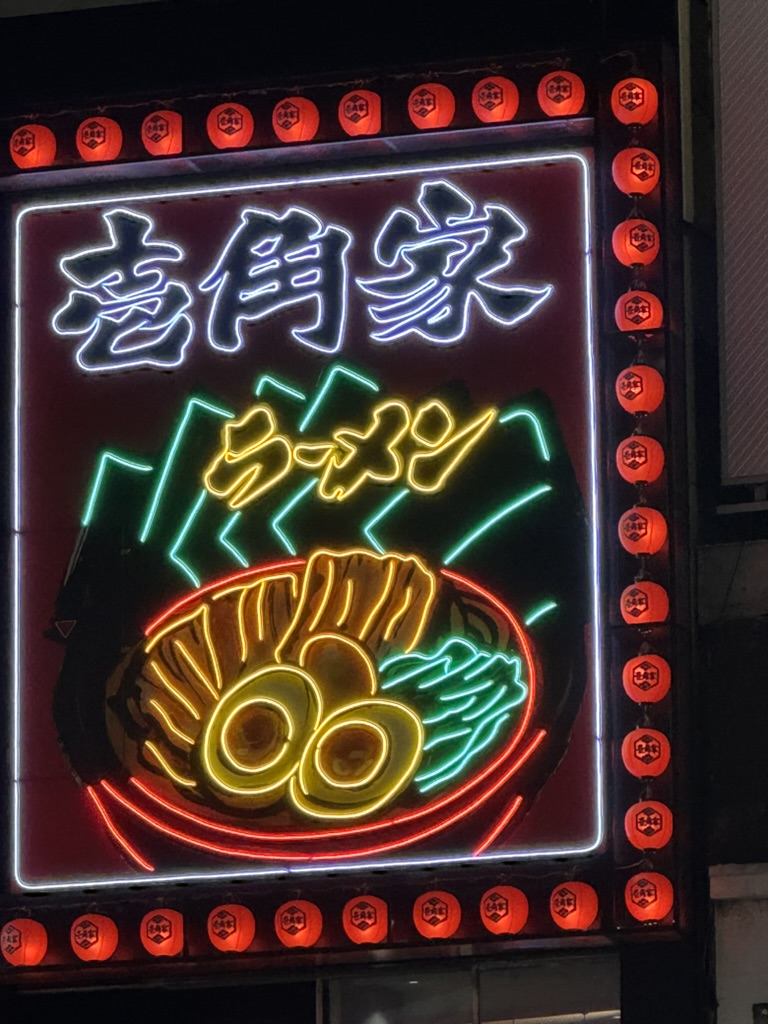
(317, 612)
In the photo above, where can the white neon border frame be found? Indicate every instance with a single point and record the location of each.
(430, 167)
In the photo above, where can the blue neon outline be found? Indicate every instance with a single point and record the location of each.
(487, 524)
(181, 536)
(289, 505)
(388, 505)
(514, 414)
(223, 538)
(140, 467)
(191, 404)
(327, 379)
(576, 847)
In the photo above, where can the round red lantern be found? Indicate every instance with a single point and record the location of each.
(647, 678)
(648, 825)
(642, 531)
(33, 145)
(634, 101)
(639, 311)
(561, 94)
(644, 603)
(298, 923)
(649, 896)
(640, 459)
(231, 927)
(574, 906)
(504, 910)
(636, 171)
(640, 389)
(431, 106)
(645, 753)
(495, 100)
(295, 119)
(162, 932)
(635, 242)
(360, 112)
(365, 919)
(94, 937)
(229, 126)
(437, 914)
(99, 138)
(23, 942)
(161, 133)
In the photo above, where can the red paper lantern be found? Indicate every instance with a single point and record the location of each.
(295, 119)
(640, 459)
(161, 133)
(647, 678)
(634, 101)
(94, 937)
(561, 94)
(298, 923)
(437, 914)
(162, 932)
(645, 753)
(574, 906)
(231, 927)
(431, 106)
(642, 531)
(365, 919)
(495, 99)
(99, 138)
(644, 603)
(360, 112)
(640, 389)
(504, 910)
(639, 311)
(649, 896)
(648, 825)
(23, 942)
(636, 171)
(229, 126)
(33, 145)
(635, 242)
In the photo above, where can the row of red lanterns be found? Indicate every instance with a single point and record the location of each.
(504, 910)
(431, 105)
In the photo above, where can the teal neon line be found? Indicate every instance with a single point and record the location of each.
(297, 497)
(487, 706)
(487, 524)
(223, 539)
(447, 675)
(320, 396)
(450, 713)
(462, 758)
(548, 606)
(430, 661)
(514, 414)
(181, 537)
(444, 739)
(511, 661)
(466, 693)
(383, 511)
(172, 455)
(140, 467)
(278, 385)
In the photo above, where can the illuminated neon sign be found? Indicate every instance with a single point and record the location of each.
(320, 608)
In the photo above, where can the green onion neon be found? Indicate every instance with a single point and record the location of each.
(444, 738)
(279, 385)
(225, 542)
(283, 512)
(441, 776)
(191, 405)
(98, 480)
(515, 414)
(330, 376)
(468, 693)
(187, 526)
(491, 521)
(450, 713)
(487, 706)
(537, 613)
(385, 509)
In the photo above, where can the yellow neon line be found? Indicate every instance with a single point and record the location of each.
(238, 765)
(162, 763)
(471, 433)
(179, 647)
(260, 612)
(170, 723)
(326, 595)
(339, 639)
(350, 586)
(372, 773)
(398, 614)
(209, 644)
(174, 692)
(173, 624)
(422, 624)
(391, 570)
(241, 625)
(313, 455)
(421, 413)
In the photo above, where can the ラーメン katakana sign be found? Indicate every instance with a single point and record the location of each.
(306, 517)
